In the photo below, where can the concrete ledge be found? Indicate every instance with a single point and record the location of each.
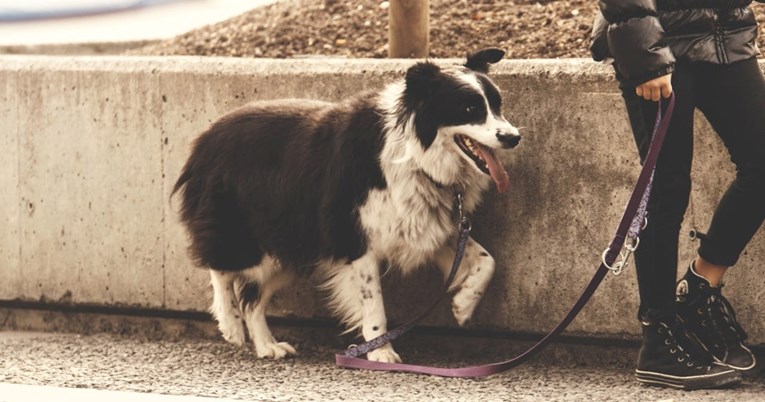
(92, 145)
(79, 49)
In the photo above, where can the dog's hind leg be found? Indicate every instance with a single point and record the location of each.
(225, 308)
(472, 277)
(356, 297)
(258, 286)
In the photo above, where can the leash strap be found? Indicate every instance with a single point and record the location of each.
(632, 221)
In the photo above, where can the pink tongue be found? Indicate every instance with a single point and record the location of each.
(497, 172)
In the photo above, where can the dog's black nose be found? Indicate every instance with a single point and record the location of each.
(509, 140)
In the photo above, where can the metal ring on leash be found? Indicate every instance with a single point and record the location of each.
(696, 234)
(617, 267)
(634, 246)
(465, 224)
(623, 262)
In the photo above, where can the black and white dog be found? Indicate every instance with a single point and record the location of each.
(276, 188)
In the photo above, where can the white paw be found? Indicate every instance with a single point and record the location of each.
(274, 350)
(232, 331)
(464, 304)
(385, 355)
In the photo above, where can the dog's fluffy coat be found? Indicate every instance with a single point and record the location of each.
(278, 187)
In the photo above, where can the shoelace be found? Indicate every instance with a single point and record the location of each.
(723, 317)
(678, 340)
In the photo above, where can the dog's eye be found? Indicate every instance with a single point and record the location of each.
(471, 109)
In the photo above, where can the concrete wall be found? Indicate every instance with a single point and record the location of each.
(92, 145)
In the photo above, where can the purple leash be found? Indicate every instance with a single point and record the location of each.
(632, 222)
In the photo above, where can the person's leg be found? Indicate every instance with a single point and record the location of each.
(732, 97)
(667, 356)
(656, 257)
(713, 273)
(733, 100)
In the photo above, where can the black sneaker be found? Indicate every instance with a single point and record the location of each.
(710, 319)
(668, 357)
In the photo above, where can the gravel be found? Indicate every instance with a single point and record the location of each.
(524, 28)
(359, 28)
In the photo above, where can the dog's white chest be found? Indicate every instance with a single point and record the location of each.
(406, 230)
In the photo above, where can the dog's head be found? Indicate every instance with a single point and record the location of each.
(456, 113)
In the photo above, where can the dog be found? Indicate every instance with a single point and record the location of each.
(280, 188)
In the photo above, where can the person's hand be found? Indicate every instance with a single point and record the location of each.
(656, 88)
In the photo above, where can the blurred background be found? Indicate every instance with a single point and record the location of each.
(34, 22)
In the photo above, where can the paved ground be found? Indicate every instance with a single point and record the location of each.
(212, 368)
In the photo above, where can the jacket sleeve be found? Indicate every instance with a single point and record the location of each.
(636, 39)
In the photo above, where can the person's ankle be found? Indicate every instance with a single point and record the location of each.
(711, 272)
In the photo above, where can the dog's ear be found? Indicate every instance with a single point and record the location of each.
(420, 78)
(421, 81)
(480, 60)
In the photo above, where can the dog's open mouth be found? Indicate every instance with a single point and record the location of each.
(485, 160)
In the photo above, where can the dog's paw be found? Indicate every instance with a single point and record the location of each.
(232, 331)
(274, 350)
(384, 355)
(464, 304)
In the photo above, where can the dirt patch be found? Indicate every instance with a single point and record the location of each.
(359, 28)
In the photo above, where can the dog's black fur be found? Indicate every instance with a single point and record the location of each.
(282, 178)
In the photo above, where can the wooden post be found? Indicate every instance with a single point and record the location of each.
(408, 28)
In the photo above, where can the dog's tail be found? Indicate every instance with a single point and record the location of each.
(182, 180)
(187, 204)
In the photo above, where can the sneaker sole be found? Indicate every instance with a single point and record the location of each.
(689, 383)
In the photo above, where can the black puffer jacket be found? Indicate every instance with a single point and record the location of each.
(646, 37)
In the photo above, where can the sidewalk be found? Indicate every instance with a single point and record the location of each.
(18, 392)
(214, 369)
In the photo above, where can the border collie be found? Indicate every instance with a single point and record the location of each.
(278, 188)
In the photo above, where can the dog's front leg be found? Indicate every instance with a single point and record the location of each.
(374, 322)
(357, 298)
(472, 277)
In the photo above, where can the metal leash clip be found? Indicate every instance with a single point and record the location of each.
(619, 266)
(352, 350)
(464, 222)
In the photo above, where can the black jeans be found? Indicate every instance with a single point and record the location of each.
(732, 98)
